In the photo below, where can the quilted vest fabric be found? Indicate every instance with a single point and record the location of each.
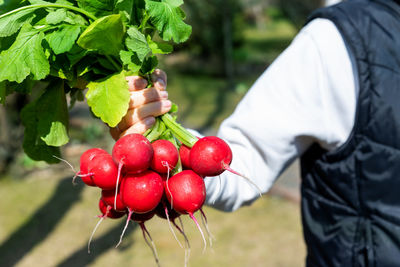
(351, 196)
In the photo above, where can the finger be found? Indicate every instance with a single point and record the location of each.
(160, 85)
(140, 127)
(115, 132)
(139, 98)
(136, 83)
(135, 115)
(159, 79)
(159, 74)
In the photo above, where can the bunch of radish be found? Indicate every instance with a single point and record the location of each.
(158, 173)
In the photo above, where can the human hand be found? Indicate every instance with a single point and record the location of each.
(145, 104)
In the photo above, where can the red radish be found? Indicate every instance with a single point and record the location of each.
(134, 152)
(186, 192)
(142, 192)
(184, 152)
(211, 156)
(104, 170)
(85, 158)
(108, 197)
(165, 157)
(108, 211)
(164, 211)
(142, 217)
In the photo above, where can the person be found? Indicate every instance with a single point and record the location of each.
(332, 100)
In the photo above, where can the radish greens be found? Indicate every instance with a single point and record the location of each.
(56, 48)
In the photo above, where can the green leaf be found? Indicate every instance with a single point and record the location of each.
(73, 18)
(24, 57)
(167, 17)
(57, 16)
(8, 5)
(65, 2)
(149, 65)
(109, 98)
(98, 8)
(35, 2)
(33, 145)
(64, 38)
(75, 54)
(136, 42)
(104, 35)
(159, 48)
(52, 115)
(131, 61)
(132, 10)
(106, 63)
(10, 24)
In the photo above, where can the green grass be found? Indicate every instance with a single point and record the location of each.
(46, 221)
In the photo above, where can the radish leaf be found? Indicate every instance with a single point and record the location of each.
(97, 7)
(131, 61)
(104, 35)
(53, 119)
(57, 16)
(136, 41)
(10, 24)
(63, 39)
(33, 145)
(24, 57)
(159, 48)
(168, 19)
(109, 98)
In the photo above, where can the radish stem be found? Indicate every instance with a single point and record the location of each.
(121, 163)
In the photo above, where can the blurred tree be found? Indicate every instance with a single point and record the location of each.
(216, 30)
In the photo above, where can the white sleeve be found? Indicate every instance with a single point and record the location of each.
(307, 95)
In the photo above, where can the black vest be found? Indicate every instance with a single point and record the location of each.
(351, 196)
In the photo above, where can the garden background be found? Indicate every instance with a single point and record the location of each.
(45, 220)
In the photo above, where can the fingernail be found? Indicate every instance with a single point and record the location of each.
(161, 82)
(166, 103)
(163, 94)
(149, 121)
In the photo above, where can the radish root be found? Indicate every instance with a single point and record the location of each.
(126, 226)
(187, 244)
(170, 226)
(205, 224)
(201, 231)
(151, 244)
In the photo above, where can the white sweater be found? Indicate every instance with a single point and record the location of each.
(307, 95)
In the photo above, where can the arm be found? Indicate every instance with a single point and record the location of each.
(307, 95)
